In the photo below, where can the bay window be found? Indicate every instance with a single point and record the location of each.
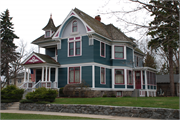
(74, 75)
(103, 75)
(119, 76)
(119, 52)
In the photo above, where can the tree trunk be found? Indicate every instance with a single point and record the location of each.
(171, 75)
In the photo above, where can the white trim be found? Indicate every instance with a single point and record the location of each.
(141, 79)
(125, 53)
(134, 80)
(93, 76)
(59, 45)
(56, 75)
(125, 78)
(112, 71)
(49, 73)
(112, 52)
(46, 74)
(42, 77)
(104, 76)
(28, 75)
(25, 75)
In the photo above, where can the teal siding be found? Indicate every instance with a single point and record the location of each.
(97, 78)
(87, 75)
(98, 58)
(87, 53)
(50, 52)
(62, 77)
(119, 86)
(130, 86)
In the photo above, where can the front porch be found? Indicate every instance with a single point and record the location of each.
(43, 70)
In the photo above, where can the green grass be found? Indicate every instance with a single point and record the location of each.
(155, 102)
(35, 116)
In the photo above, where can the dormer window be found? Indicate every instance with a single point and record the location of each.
(74, 26)
(47, 34)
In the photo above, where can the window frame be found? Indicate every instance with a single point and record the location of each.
(118, 95)
(115, 77)
(46, 33)
(74, 40)
(74, 26)
(104, 49)
(118, 52)
(128, 77)
(104, 74)
(74, 75)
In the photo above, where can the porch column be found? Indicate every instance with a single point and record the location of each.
(28, 78)
(146, 83)
(38, 49)
(25, 75)
(141, 79)
(125, 73)
(42, 74)
(93, 77)
(56, 75)
(49, 73)
(134, 80)
(113, 78)
(46, 73)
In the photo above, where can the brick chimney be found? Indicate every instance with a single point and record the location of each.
(98, 18)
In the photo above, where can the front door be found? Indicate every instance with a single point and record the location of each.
(138, 79)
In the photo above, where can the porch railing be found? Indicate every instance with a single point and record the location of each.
(46, 84)
(27, 85)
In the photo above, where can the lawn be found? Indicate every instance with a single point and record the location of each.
(35, 116)
(155, 102)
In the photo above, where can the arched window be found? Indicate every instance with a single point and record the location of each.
(74, 26)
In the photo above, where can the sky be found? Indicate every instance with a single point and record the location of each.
(30, 16)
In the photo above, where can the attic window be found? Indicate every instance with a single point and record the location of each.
(47, 33)
(74, 26)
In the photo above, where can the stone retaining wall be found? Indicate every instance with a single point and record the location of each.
(156, 113)
(4, 106)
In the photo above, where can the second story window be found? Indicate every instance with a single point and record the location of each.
(119, 52)
(102, 49)
(74, 46)
(47, 34)
(74, 26)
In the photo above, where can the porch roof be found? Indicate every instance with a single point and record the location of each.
(145, 68)
(37, 58)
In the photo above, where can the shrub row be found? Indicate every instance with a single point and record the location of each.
(11, 94)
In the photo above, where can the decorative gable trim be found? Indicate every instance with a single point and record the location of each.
(70, 15)
(33, 58)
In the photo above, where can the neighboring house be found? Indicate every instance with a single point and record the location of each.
(19, 80)
(82, 48)
(163, 85)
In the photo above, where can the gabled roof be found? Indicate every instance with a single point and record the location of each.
(165, 78)
(41, 58)
(50, 25)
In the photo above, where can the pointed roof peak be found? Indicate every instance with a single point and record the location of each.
(50, 25)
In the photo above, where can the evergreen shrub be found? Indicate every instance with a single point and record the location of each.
(42, 94)
(11, 93)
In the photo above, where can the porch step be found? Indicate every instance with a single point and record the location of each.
(15, 106)
(27, 91)
(135, 93)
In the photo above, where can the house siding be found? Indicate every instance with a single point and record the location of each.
(87, 75)
(62, 77)
(50, 52)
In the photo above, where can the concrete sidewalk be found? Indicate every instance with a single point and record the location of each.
(75, 115)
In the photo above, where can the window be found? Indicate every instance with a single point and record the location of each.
(74, 46)
(74, 26)
(19, 80)
(103, 76)
(119, 76)
(129, 77)
(102, 49)
(119, 52)
(118, 94)
(137, 61)
(74, 75)
(47, 33)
